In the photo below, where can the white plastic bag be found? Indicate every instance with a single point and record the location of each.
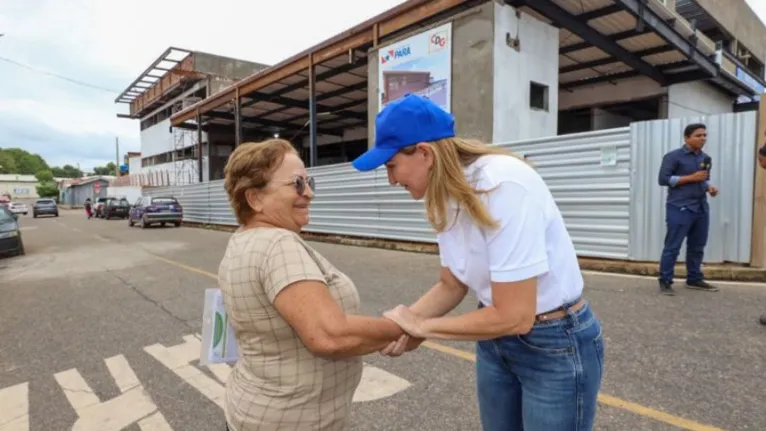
(219, 342)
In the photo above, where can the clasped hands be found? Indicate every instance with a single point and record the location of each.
(410, 324)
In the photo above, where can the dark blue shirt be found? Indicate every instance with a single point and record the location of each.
(676, 164)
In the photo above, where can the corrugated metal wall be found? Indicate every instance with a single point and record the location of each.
(731, 144)
(594, 199)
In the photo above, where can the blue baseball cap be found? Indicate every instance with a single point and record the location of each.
(406, 121)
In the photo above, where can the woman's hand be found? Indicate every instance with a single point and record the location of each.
(407, 320)
(405, 343)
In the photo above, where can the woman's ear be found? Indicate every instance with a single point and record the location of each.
(426, 152)
(254, 200)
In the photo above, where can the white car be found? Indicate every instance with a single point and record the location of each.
(18, 208)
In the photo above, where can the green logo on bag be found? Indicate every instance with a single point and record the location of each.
(217, 330)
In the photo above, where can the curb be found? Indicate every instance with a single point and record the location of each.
(726, 272)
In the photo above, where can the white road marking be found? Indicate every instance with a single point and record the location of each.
(377, 384)
(132, 406)
(126, 380)
(28, 228)
(177, 358)
(14, 408)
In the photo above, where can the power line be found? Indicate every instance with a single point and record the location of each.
(56, 75)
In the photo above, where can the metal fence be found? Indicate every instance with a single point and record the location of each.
(589, 177)
(588, 174)
(731, 145)
(604, 182)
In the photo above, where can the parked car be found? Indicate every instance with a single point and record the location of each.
(98, 206)
(18, 208)
(10, 234)
(149, 210)
(45, 207)
(115, 208)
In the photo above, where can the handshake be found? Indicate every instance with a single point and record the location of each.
(411, 325)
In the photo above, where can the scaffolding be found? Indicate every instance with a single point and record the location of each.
(185, 149)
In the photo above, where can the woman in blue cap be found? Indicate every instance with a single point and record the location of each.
(540, 348)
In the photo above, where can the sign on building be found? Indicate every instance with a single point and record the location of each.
(420, 64)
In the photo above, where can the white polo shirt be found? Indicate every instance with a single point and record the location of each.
(531, 241)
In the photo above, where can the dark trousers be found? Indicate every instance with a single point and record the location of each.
(693, 226)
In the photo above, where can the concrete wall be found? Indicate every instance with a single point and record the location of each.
(598, 94)
(602, 120)
(134, 164)
(178, 173)
(696, 98)
(224, 71)
(19, 190)
(741, 21)
(131, 193)
(535, 60)
(160, 139)
(472, 72)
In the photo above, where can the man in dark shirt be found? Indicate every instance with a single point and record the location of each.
(686, 173)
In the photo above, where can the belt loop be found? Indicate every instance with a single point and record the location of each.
(572, 313)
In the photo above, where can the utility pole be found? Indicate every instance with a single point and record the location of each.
(117, 156)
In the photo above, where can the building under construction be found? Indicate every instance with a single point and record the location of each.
(176, 80)
(508, 70)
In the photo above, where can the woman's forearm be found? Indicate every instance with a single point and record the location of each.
(439, 300)
(361, 335)
(483, 324)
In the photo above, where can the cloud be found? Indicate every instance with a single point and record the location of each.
(108, 44)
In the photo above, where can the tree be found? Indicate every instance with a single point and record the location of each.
(105, 170)
(23, 162)
(26, 162)
(47, 187)
(7, 163)
(66, 171)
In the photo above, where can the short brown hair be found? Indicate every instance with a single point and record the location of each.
(251, 166)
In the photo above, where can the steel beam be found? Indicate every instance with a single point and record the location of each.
(562, 18)
(282, 125)
(312, 115)
(614, 37)
(264, 97)
(237, 120)
(645, 14)
(610, 60)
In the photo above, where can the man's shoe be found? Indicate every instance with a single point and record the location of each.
(701, 285)
(763, 319)
(666, 289)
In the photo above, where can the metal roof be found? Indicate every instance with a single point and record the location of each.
(600, 41)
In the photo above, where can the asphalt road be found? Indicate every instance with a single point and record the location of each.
(98, 321)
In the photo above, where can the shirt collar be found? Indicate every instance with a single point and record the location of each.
(688, 150)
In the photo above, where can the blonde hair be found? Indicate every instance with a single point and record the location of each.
(447, 180)
(251, 166)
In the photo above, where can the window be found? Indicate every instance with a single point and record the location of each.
(538, 96)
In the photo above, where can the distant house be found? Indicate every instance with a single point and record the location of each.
(76, 191)
(20, 187)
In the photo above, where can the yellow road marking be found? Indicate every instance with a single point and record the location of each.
(604, 399)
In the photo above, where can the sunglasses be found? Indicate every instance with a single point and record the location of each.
(300, 184)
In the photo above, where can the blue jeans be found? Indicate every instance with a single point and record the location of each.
(693, 226)
(545, 380)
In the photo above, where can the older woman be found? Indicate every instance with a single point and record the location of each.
(294, 313)
(500, 235)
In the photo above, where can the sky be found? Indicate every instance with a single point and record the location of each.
(107, 44)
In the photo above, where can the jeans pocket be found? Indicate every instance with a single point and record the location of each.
(551, 341)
